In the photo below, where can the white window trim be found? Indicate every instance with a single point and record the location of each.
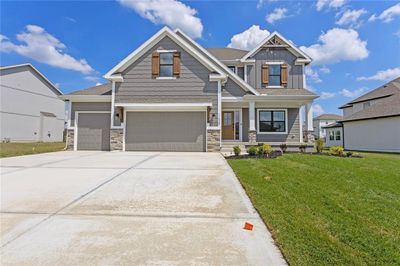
(274, 63)
(166, 51)
(272, 133)
(165, 77)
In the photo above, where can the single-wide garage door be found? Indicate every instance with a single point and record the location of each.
(165, 131)
(94, 131)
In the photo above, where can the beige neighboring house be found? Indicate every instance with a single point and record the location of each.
(321, 121)
(371, 122)
(171, 94)
(30, 109)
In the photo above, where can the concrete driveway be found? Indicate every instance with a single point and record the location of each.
(132, 208)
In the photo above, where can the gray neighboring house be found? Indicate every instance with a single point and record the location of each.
(372, 121)
(171, 94)
(30, 109)
(321, 121)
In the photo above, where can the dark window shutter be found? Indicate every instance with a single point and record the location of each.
(177, 64)
(264, 74)
(155, 65)
(284, 75)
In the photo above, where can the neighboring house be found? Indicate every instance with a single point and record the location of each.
(334, 134)
(372, 122)
(321, 121)
(30, 107)
(171, 94)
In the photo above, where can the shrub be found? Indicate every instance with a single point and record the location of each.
(336, 150)
(236, 150)
(252, 150)
(319, 145)
(283, 147)
(264, 149)
(349, 154)
(303, 148)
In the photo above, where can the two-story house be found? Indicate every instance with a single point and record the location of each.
(371, 122)
(171, 94)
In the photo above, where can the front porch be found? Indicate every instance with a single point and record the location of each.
(248, 122)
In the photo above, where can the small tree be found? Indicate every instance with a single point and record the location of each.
(236, 150)
(319, 145)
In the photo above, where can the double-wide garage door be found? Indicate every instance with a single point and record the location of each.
(165, 131)
(93, 131)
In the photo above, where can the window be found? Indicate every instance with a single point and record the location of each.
(337, 134)
(227, 119)
(331, 135)
(366, 105)
(274, 75)
(232, 68)
(166, 64)
(272, 121)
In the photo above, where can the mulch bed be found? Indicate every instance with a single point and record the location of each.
(275, 154)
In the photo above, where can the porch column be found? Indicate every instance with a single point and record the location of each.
(252, 122)
(309, 137)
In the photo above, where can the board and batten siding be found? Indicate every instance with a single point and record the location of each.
(295, 72)
(231, 89)
(193, 85)
(88, 106)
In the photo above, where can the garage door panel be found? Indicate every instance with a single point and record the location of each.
(94, 131)
(168, 131)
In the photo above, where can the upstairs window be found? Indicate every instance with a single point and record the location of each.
(232, 68)
(366, 105)
(166, 64)
(274, 75)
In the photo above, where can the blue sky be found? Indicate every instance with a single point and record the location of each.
(355, 44)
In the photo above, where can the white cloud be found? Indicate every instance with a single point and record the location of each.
(329, 3)
(172, 13)
(43, 47)
(317, 109)
(351, 17)
(98, 83)
(387, 74)
(70, 19)
(311, 88)
(337, 45)
(313, 75)
(387, 15)
(277, 14)
(249, 38)
(92, 78)
(352, 94)
(327, 95)
(324, 70)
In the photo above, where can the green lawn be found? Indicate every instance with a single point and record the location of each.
(18, 149)
(325, 210)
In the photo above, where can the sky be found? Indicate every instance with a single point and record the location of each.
(355, 45)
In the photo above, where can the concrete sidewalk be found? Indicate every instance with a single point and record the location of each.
(128, 208)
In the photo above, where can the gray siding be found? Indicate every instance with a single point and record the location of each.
(295, 72)
(88, 106)
(192, 86)
(251, 76)
(293, 129)
(24, 98)
(231, 89)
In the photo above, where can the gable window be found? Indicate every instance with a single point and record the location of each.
(366, 105)
(274, 75)
(272, 121)
(166, 64)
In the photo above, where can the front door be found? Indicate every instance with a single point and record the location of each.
(228, 125)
